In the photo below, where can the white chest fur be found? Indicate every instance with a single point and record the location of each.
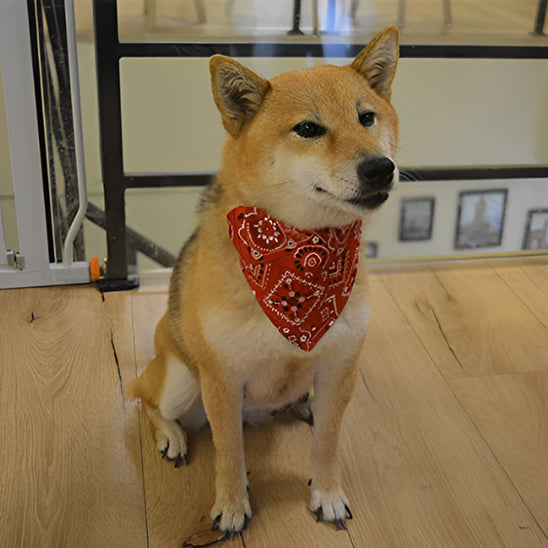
(273, 371)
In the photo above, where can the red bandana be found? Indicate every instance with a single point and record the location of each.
(301, 278)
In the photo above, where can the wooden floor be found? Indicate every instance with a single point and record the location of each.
(445, 443)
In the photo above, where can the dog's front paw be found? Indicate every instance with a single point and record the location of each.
(331, 507)
(231, 516)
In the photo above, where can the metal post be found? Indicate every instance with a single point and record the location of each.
(296, 18)
(540, 19)
(110, 117)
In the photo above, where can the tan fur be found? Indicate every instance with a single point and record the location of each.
(215, 345)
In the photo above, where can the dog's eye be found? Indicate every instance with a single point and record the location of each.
(367, 119)
(309, 130)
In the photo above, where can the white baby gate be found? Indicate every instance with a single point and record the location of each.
(30, 265)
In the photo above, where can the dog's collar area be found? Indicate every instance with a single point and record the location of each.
(302, 279)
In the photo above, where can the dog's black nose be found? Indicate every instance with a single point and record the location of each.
(376, 174)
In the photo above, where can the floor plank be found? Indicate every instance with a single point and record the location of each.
(416, 462)
(471, 322)
(511, 412)
(64, 455)
(529, 282)
(278, 463)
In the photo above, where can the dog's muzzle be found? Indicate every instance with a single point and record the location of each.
(376, 179)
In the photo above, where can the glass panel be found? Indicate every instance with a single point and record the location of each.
(163, 217)
(480, 112)
(501, 22)
(421, 220)
(442, 218)
(442, 104)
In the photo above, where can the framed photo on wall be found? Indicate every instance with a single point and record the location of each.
(416, 219)
(480, 219)
(371, 250)
(536, 230)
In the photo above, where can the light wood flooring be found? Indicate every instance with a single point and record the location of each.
(445, 443)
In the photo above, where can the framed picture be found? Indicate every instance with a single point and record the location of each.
(371, 250)
(536, 229)
(480, 218)
(416, 219)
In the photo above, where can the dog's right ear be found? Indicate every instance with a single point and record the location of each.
(378, 61)
(238, 92)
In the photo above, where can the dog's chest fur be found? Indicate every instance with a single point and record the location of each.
(274, 371)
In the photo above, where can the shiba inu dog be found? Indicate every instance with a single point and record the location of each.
(269, 298)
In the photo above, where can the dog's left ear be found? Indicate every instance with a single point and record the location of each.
(238, 92)
(378, 61)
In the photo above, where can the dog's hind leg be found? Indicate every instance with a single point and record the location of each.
(171, 438)
(179, 407)
(171, 398)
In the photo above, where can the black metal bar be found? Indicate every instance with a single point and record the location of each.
(470, 173)
(136, 241)
(540, 19)
(117, 284)
(317, 49)
(110, 116)
(406, 174)
(161, 181)
(296, 19)
(473, 52)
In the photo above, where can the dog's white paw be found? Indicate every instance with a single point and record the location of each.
(172, 442)
(331, 507)
(231, 516)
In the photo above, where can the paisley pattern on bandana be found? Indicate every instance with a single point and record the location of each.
(301, 278)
